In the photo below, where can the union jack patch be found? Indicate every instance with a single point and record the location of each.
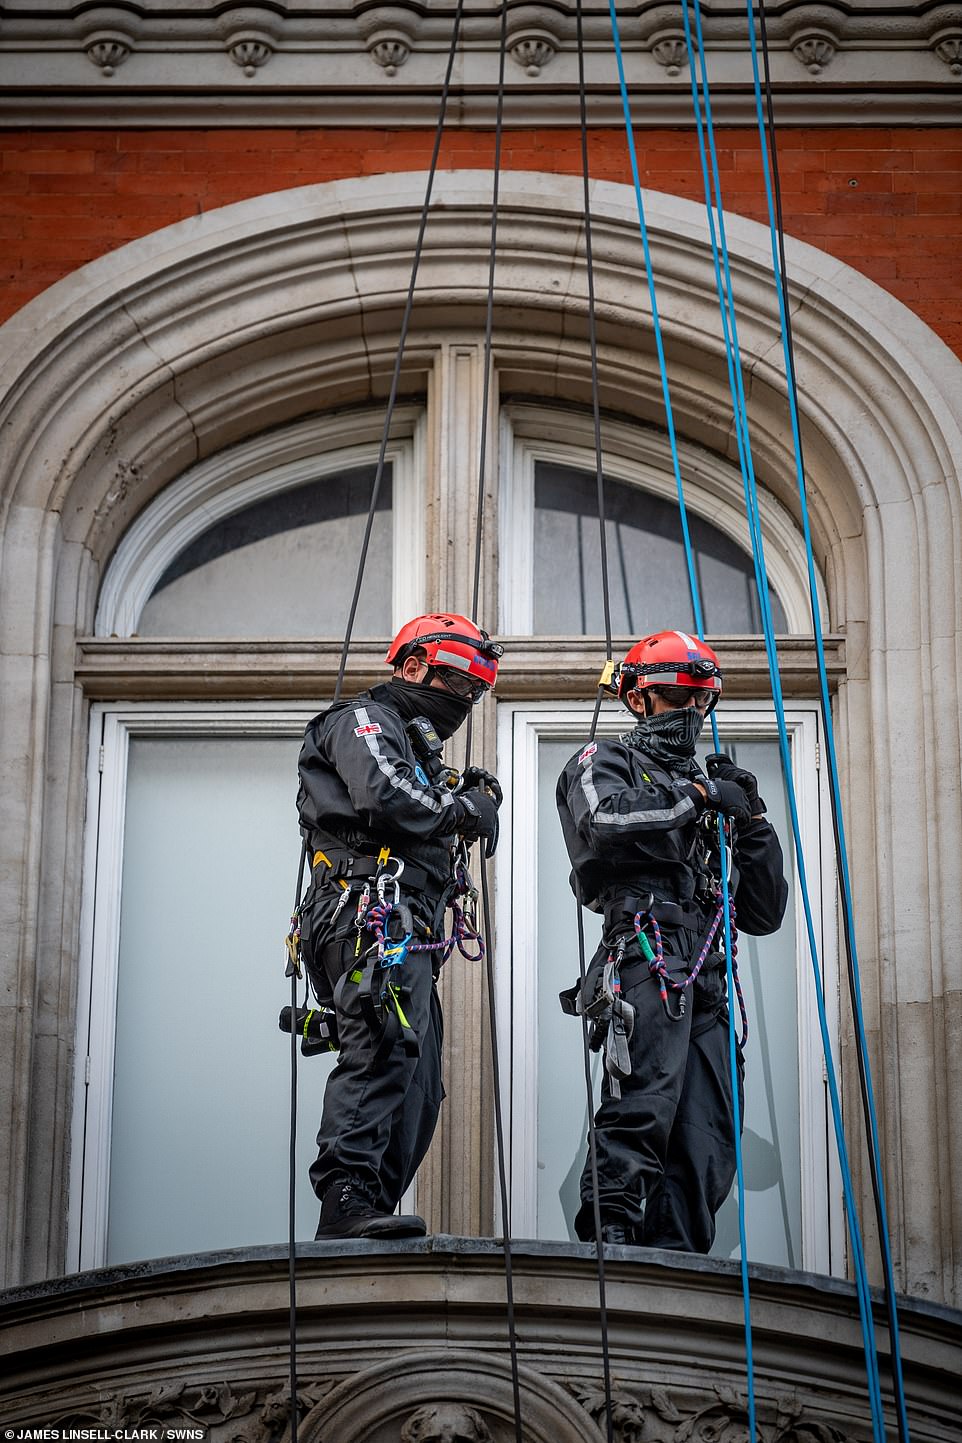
(589, 750)
(370, 729)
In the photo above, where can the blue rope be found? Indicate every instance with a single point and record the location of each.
(700, 631)
(725, 292)
(841, 849)
(754, 524)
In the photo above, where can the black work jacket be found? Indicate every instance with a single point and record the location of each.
(362, 787)
(634, 826)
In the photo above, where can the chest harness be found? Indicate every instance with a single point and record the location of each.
(601, 999)
(383, 914)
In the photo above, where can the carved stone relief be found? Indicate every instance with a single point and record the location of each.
(814, 51)
(671, 52)
(949, 49)
(445, 1423)
(662, 1415)
(532, 37)
(532, 52)
(108, 49)
(447, 1396)
(389, 51)
(233, 1413)
(250, 52)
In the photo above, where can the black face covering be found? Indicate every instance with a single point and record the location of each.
(443, 709)
(670, 736)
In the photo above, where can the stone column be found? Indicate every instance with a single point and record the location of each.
(456, 1186)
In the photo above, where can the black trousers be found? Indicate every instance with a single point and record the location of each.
(381, 1104)
(666, 1147)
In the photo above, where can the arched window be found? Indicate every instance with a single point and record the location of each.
(262, 539)
(191, 803)
(282, 566)
(647, 568)
(551, 579)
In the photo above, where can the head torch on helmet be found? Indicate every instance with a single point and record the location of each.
(669, 659)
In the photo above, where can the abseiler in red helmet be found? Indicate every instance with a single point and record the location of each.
(448, 639)
(669, 658)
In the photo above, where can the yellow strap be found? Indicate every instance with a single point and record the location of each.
(322, 857)
(399, 1009)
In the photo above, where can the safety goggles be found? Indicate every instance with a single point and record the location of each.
(678, 696)
(461, 683)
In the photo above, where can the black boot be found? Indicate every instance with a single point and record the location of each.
(347, 1212)
(616, 1229)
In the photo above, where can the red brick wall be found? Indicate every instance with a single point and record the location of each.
(888, 202)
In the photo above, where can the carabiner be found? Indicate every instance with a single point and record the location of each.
(385, 879)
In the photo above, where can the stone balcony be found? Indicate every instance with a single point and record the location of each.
(408, 1343)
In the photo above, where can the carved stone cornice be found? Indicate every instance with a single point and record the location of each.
(187, 64)
(108, 49)
(814, 49)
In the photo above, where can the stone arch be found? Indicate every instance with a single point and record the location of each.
(160, 354)
(446, 1396)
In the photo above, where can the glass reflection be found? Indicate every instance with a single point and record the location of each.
(283, 566)
(647, 570)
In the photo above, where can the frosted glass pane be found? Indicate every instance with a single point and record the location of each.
(767, 971)
(562, 1105)
(283, 567)
(201, 1103)
(647, 570)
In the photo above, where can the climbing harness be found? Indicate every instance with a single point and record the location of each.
(655, 958)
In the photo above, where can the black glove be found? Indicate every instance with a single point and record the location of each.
(477, 777)
(479, 818)
(729, 799)
(723, 768)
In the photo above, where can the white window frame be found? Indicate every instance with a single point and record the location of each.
(640, 456)
(111, 729)
(264, 465)
(520, 728)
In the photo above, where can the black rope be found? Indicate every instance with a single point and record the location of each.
(486, 359)
(593, 331)
(582, 966)
(292, 1174)
(475, 603)
(338, 686)
(593, 1166)
(405, 324)
(502, 1171)
(489, 315)
(891, 1302)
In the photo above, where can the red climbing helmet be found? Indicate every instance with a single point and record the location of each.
(448, 640)
(669, 658)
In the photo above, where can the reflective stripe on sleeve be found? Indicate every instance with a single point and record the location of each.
(629, 819)
(387, 768)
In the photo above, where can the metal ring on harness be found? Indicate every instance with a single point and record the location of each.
(385, 879)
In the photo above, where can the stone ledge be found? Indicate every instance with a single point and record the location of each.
(205, 1337)
(153, 669)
